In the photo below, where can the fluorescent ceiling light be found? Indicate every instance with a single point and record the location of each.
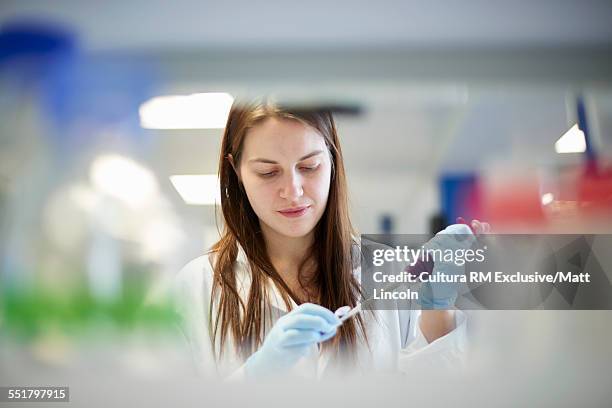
(123, 178)
(547, 198)
(572, 141)
(195, 111)
(198, 189)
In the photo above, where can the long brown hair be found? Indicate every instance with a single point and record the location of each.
(333, 251)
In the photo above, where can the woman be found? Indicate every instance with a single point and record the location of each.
(261, 301)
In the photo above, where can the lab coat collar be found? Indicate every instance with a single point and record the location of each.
(244, 274)
(241, 257)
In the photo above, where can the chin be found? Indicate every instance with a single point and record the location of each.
(294, 231)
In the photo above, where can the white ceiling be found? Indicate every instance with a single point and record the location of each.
(443, 84)
(320, 24)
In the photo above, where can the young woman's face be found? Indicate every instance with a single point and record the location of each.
(286, 170)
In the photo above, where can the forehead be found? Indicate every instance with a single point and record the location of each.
(281, 138)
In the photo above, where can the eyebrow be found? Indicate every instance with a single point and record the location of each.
(309, 155)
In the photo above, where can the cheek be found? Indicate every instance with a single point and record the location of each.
(319, 187)
(259, 194)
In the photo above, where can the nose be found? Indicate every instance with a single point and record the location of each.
(292, 187)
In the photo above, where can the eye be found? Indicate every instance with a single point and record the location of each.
(267, 175)
(310, 168)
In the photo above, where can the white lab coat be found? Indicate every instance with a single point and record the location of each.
(395, 338)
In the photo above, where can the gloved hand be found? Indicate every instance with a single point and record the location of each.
(291, 338)
(442, 295)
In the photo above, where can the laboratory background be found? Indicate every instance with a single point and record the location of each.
(111, 117)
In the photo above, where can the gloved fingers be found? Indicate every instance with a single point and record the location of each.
(296, 337)
(305, 321)
(461, 220)
(456, 236)
(328, 335)
(458, 229)
(317, 310)
(299, 350)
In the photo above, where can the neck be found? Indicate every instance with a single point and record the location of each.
(286, 253)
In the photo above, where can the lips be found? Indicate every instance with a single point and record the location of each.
(294, 211)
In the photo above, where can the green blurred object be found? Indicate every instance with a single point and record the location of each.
(30, 313)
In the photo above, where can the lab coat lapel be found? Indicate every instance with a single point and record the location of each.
(244, 275)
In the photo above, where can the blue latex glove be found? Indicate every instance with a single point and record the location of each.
(442, 295)
(291, 338)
